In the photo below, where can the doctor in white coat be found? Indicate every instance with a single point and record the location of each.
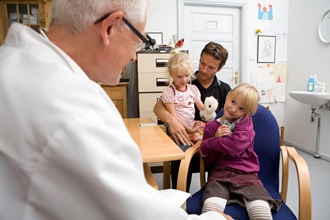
(65, 152)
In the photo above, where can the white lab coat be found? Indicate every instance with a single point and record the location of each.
(65, 152)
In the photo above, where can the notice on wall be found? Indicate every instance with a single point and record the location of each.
(270, 78)
(271, 82)
(280, 72)
(265, 82)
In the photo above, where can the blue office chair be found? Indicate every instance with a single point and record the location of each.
(268, 148)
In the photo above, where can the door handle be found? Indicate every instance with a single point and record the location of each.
(236, 78)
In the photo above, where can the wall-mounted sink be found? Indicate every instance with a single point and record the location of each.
(314, 99)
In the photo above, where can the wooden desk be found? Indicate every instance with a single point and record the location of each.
(155, 146)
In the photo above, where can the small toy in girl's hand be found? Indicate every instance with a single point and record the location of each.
(231, 125)
(210, 106)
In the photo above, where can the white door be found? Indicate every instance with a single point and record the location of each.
(201, 23)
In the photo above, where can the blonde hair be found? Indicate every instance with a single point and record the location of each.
(179, 62)
(248, 95)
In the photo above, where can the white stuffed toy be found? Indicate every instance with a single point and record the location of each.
(210, 105)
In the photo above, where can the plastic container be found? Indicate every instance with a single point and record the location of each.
(310, 86)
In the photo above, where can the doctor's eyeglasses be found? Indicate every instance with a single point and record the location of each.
(145, 42)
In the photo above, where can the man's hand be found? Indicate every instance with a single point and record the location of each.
(176, 130)
(178, 133)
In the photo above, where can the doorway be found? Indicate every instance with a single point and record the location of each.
(200, 22)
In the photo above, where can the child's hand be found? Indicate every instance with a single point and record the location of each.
(198, 126)
(193, 130)
(223, 130)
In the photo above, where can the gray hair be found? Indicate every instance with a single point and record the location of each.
(79, 15)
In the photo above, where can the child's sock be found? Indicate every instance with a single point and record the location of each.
(214, 204)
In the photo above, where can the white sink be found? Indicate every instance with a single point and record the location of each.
(314, 99)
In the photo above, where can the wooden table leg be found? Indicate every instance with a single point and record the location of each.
(149, 177)
(166, 175)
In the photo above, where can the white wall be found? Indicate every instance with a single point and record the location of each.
(279, 23)
(163, 17)
(306, 55)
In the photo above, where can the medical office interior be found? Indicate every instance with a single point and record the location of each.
(300, 53)
(287, 30)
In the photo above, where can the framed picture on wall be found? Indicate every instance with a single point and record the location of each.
(266, 49)
(158, 36)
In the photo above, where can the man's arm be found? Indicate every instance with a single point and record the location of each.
(176, 130)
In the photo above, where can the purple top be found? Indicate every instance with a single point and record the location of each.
(235, 150)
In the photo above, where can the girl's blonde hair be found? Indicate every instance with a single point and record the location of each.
(248, 95)
(179, 62)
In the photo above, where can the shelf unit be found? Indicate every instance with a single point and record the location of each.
(33, 13)
(118, 95)
(152, 80)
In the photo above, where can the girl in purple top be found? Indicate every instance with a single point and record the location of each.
(228, 147)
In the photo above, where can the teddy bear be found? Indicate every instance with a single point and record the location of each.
(210, 106)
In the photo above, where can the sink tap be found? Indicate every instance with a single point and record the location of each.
(320, 87)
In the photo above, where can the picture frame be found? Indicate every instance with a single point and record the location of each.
(158, 36)
(266, 49)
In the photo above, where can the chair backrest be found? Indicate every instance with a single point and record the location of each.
(281, 130)
(266, 145)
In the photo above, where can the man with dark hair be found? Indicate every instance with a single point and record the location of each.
(213, 58)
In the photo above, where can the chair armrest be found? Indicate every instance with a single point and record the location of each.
(202, 172)
(184, 166)
(149, 177)
(285, 173)
(281, 135)
(304, 187)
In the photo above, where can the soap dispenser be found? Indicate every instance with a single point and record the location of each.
(310, 87)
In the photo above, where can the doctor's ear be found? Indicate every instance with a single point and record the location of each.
(108, 23)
